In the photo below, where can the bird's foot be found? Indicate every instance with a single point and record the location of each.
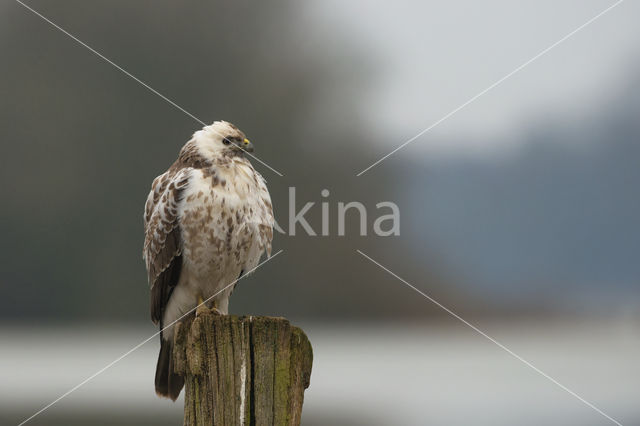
(202, 307)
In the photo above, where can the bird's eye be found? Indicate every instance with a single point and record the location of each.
(226, 141)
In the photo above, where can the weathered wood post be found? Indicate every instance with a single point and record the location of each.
(242, 370)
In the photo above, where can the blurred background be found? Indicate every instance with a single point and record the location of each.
(520, 212)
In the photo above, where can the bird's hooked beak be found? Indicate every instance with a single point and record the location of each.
(244, 145)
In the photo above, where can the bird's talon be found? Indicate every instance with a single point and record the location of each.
(201, 309)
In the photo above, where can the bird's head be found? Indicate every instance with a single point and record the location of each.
(222, 139)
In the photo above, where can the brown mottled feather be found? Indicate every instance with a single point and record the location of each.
(167, 279)
(163, 240)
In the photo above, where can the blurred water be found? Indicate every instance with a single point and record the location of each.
(427, 373)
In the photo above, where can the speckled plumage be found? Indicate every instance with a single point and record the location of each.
(207, 220)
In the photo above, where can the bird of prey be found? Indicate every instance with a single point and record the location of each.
(208, 219)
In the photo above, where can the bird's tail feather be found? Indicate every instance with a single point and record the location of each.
(168, 383)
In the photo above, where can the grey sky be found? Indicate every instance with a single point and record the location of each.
(430, 57)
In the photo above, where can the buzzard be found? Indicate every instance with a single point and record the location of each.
(208, 219)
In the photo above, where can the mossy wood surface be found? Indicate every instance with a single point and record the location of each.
(242, 370)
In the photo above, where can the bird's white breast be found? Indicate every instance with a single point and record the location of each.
(223, 220)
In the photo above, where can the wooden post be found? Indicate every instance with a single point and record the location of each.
(242, 370)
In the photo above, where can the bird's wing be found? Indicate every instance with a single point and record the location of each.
(163, 242)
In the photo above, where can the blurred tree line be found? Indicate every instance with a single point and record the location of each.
(82, 143)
